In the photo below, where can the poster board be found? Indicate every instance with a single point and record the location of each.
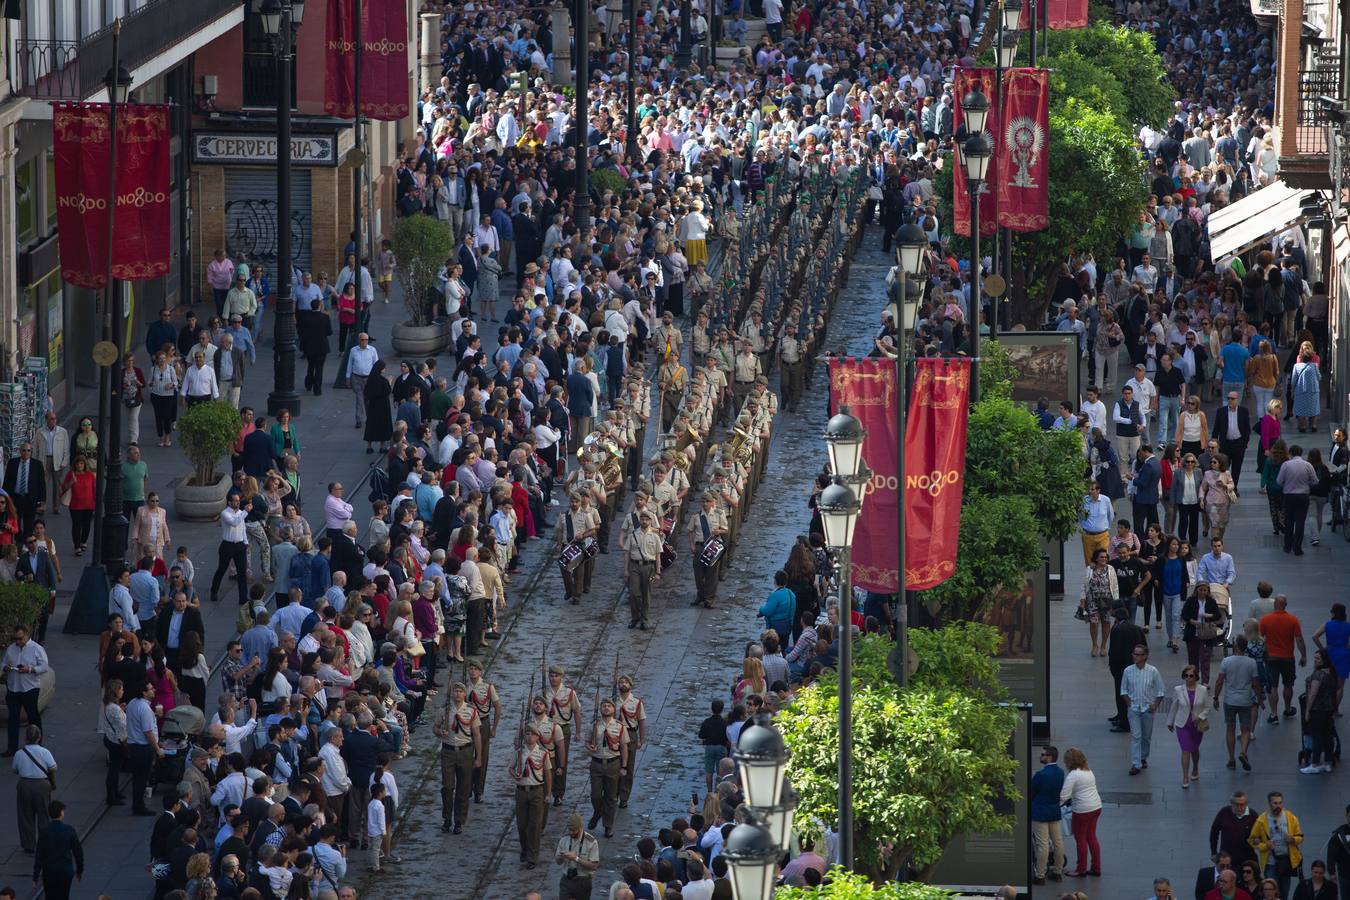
(1046, 365)
(979, 864)
(1023, 655)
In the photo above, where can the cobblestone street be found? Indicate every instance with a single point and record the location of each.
(688, 659)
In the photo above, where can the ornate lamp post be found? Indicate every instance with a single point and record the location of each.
(281, 20)
(975, 155)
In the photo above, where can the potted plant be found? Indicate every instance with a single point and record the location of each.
(421, 245)
(207, 432)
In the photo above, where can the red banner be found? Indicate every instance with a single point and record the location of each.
(1021, 154)
(935, 464)
(339, 77)
(868, 388)
(1067, 13)
(965, 81)
(81, 146)
(384, 61)
(385, 64)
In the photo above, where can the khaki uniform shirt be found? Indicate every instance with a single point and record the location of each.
(663, 492)
(482, 695)
(550, 735)
(561, 704)
(753, 335)
(610, 739)
(459, 722)
(747, 367)
(645, 546)
(631, 712)
(790, 350)
(717, 520)
(532, 766)
(631, 527)
(702, 342)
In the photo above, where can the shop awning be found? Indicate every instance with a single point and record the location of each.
(1255, 218)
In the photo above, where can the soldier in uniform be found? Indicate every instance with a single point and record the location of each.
(746, 369)
(551, 739)
(632, 523)
(591, 517)
(752, 331)
(663, 491)
(698, 286)
(564, 708)
(710, 522)
(573, 525)
(670, 381)
(717, 389)
(608, 747)
(483, 696)
(633, 715)
(667, 338)
(790, 359)
(642, 563)
(638, 405)
(532, 772)
(700, 341)
(461, 741)
(579, 856)
(678, 479)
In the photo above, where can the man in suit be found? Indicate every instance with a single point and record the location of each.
(256, 457)
(528, 242)
(54, 444)
(468, 259)
(315, 328)
(1208, 877)
(348, 556)
(59, 859)
(36, 566)
(25, 481)
(172, 627)
(1147, 477)
(1233, 428)
(580, 397)
(229, 361)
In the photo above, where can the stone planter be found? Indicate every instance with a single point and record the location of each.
(725, 56)
(46, 693)
(420, 340)
(200, 503)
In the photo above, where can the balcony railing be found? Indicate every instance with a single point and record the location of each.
(1310, 129)
(49, 69)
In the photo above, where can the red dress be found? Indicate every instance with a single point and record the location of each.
(520, 501)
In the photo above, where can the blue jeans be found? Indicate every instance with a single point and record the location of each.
(1169, 409)
(1141, 736)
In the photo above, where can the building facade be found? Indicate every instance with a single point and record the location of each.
(210, 61)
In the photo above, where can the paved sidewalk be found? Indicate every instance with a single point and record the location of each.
(116, 851)
(1150, 827)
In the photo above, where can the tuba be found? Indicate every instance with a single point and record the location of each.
(742, 446)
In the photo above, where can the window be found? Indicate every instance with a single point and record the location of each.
(50, 192)
(261, 84)
(25, 201)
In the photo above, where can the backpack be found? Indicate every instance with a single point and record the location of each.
(1271, 303)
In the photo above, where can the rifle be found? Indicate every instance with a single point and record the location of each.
(615, 684)
(524, 714)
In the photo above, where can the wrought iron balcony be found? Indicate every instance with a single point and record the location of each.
(51, 69)
(1321, 77)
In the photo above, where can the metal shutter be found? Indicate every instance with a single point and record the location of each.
(251, 216)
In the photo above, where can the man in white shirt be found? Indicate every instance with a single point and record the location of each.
(1145, 392)
(199, 381)
(1145, 275)
(233, 549)
(25, 661)
(360, 361)
(224, 727)
(1095, 410)
(120, 601)
(335, 780)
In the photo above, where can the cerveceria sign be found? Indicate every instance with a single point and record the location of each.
(261, 149)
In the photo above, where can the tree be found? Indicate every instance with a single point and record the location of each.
(999, 544)
(1131, 59)
(207, 432)
(841, 884)
(927, 759)
(421, 245)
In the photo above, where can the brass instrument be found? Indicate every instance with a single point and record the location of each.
(742, 446)
(687, 439)
(608, 458)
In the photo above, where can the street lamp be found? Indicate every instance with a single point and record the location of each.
(913, 242)
(763, 758)
(111, 543)
(751, 854)
(975, 108)
(280, 20)
(1010, 17)
(844, 439)
(839, 509)
(975, 154)
(778, 818)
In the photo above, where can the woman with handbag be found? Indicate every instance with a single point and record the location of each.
(133, 398)
(112, 725)
(1101, 591)
(164, 383)
(1200, 628)
(1189, 721)
(1218, 493)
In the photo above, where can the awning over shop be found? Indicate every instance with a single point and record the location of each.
(1255, 219)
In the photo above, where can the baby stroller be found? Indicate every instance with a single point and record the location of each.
(1305, 739)
(1228, 627)
(181, 726)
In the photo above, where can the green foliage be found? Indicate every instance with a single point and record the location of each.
(1007, 452)
(996, 371)
(1127, 56)
(608, 179)
(998, 544)
(421, 245)
(927, 759)
(207, 432)
(845, 885)
(21, 602)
